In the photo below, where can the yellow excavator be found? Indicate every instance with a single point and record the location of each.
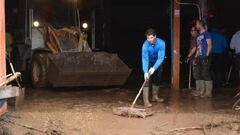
(55, 50)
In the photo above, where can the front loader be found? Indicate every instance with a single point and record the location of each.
(61, 56)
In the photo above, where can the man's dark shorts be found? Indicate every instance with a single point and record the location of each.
(201, 69)
(155, 79)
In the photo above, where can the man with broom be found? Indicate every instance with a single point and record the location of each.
(153, 53)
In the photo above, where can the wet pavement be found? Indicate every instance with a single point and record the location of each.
(176, 100)
(86, 110)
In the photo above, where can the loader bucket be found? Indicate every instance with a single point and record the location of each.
(86, 69)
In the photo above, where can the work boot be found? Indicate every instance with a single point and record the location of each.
(208, 89)
(155, 91)
(146, 96)
(199, 88)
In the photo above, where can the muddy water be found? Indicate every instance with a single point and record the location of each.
(88, 111)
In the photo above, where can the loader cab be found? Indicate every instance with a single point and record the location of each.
(55, 13)
(32, 18)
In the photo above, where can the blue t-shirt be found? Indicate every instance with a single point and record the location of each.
(202, 43)
(153, 53)
(219, 42)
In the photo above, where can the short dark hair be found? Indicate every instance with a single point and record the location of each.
(150, 31)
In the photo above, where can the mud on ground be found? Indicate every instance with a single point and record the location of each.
(88, 111)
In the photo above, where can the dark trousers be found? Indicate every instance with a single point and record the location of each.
(201, 69)
(237, 61)
(155, 79)
(218, 68)
(237, 66)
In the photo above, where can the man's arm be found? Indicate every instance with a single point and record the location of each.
(161, 54)
(192, 51)
(233, 42)
(209, 43)
(145, 59)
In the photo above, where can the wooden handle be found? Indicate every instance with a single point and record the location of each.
(190, 76)
(138, 94)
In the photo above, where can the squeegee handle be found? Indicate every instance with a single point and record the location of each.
(139, 93)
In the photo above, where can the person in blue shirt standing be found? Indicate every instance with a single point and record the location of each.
(219, 51)
(153, 53)
(203, 61)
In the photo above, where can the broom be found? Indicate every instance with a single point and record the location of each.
(131, 111)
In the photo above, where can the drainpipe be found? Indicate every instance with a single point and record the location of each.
(175, 44)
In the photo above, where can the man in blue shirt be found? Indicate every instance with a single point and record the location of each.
(219, 50)
(153, 52)
(201, 68)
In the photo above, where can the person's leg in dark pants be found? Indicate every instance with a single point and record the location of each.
(146, 90)
(237, 66)
(208, 84)
(198, 78)
(222, 67)
(156, 79)
(217, 69)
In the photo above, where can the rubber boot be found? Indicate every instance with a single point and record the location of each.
(155, 91)
(208, 89)
(199, 88)
(146, 96)
(202, 88)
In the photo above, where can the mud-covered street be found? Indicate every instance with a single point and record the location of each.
(88, 111)
(73, 62)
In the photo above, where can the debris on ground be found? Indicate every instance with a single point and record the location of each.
(131, 112)
(230, 125)
(236, 105)
(8, 119)
(76, 112)
(29, 133)
(5, 131)
(55, 127)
